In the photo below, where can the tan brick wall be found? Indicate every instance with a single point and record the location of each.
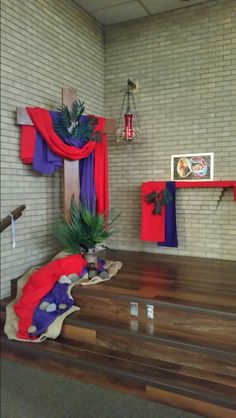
(185, 62)
(46, 44)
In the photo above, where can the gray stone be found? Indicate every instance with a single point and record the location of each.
(52, 307)
(64, 280)
(43, 305)
(104, 275)
(62, 306)
(32, 329)
(73, 277)
(92, 273)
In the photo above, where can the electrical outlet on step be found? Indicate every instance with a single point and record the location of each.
(150, 311)
(134, 308)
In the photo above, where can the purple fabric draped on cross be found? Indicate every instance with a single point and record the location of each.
(87, 188)
(45, 161)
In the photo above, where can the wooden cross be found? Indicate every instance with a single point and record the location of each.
(71, 168)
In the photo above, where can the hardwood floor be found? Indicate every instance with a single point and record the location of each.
(184, 357)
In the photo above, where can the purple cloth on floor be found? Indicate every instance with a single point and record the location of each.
(42, 319)
(170, 221)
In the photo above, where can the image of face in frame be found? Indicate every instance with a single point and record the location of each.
(190, 167)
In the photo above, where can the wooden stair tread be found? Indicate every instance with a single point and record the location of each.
(77, 319)
(71, 355)
(117, 291)
(161, 336)
(184, 357)
(185, 281)
(144, 331)
(187, 359)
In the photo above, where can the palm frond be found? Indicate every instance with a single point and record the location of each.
(84, 230)
(77, 109)
(66, 116)
(70, 124)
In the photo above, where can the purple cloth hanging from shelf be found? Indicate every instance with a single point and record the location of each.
(171, 239)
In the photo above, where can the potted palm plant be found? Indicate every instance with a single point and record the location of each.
(84, 231)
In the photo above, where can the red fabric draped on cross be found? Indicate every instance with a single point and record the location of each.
(27, 143)
(43, 123)
(101, 173)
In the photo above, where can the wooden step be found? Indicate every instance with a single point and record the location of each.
(82, 326)
(170, 320)
(184, 357)
(191, 281)
(214, 361)
(113, 369)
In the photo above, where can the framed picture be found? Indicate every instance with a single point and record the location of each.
(190, 167)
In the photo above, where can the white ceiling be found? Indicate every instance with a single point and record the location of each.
(109, 12)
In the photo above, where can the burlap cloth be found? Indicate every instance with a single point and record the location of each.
(54, 330)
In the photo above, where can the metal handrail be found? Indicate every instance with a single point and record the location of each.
(16, 213)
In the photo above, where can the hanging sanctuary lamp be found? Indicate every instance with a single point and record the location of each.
(129, 130)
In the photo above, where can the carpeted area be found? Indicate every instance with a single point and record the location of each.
(32, 393)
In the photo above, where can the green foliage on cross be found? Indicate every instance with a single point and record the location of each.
(71, 124)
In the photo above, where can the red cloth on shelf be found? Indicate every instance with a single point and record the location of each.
(205, 184)
(153, 226)
(39, 284)
(101, 172)
(27, 143)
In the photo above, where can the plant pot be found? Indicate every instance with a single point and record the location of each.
(92, 258)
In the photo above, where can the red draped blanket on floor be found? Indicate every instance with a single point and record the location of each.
(39, 284)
